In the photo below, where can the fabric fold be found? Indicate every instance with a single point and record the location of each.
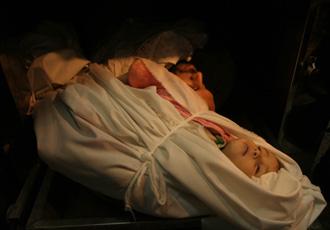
(134, 145)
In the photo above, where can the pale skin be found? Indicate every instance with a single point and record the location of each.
(253, 160)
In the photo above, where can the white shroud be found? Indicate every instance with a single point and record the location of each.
(131, 144)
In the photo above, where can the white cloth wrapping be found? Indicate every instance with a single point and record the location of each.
(133, 145)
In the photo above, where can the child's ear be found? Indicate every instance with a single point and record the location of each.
(139, 76)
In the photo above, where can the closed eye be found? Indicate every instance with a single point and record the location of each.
(246, 149)
(257, 170)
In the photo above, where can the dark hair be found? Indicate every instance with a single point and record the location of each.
(173, 68)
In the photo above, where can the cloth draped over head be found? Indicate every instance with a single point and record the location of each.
(131, 144)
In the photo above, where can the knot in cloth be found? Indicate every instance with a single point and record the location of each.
(145, 157)
(155, 178)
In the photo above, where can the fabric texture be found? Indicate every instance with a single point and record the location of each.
(52, 70)
(140, 77)
(134, 145)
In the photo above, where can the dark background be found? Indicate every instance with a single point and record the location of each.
(249, 62)
(260, 39)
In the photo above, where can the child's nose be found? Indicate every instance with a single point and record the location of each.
(256, 152)
(197, 80)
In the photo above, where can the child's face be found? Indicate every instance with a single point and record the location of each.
(194, 79)
(253, 160)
